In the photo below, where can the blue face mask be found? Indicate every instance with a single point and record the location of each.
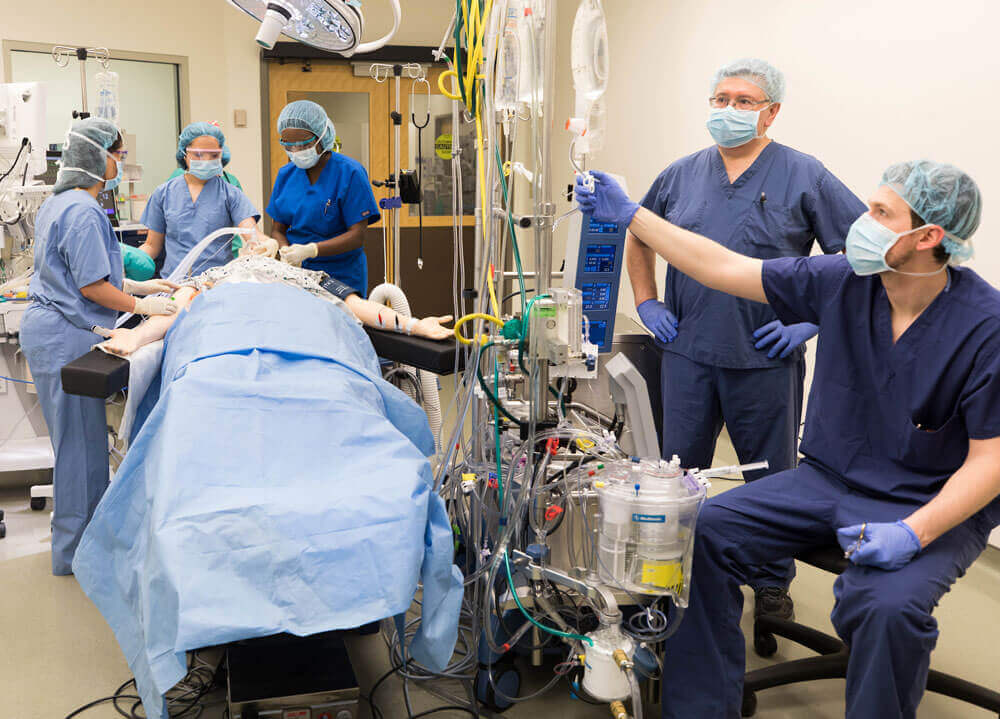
(869, 241)
(117, 179)
(730, 127)
(205, 169)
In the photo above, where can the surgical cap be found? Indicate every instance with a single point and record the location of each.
(200, 129)
(941, 194)
(761, 73)
(307, 115)
(78, 154)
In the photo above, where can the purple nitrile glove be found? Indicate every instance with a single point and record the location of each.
(658, 320)
(607, 201)
(783, 338)
(886, 545)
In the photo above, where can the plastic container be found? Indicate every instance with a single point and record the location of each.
(602, 677)
(648, 514)
(107, 96)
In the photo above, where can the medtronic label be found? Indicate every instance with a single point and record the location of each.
(442, 146)
(653, 518)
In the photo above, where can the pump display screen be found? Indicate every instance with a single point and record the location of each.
(602, 228)
(596, 296)
(598, 331)
(599, 258)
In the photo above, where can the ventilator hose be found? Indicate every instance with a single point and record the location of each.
(393, 296)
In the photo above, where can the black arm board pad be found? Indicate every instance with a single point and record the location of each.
(98, 374)
(95, 374)
(437, 356)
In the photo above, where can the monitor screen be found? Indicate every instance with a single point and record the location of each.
(596, 296)
(602, 228)
(599, 258)
(598, 332)
(106, 200)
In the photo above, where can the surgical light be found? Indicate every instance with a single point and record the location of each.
(332, 25)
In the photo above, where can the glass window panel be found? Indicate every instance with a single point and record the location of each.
(148, 106)
(436, 174)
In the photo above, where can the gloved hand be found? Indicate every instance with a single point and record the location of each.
(149, 287)
(158, 305)
(886, 545)
(607, 202)
(784, 338)
(260, 245)
(658, 320)
(297, 254)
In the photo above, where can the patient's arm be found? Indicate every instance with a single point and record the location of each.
(373, 314)
(124, 342)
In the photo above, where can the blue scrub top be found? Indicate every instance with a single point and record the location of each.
(341, 197)
(185, 223)
(893, 419)
(782, 203)
(75, 246)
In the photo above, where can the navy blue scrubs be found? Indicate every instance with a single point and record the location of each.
(711, 373)
(888, 423)
(341, 197)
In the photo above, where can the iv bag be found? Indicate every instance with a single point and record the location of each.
(107, 96)
(508, 65)
(589, 58)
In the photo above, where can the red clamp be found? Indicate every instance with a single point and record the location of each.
(552, 445)
(553, 512)
(492, 482)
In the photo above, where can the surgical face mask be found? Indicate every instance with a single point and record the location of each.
(117, 179)
(304, 159)
(869, 241)
(730, 127)
(205, 169)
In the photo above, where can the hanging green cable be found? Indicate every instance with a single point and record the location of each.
(510, 226)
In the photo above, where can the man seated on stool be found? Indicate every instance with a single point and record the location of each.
(902, 437)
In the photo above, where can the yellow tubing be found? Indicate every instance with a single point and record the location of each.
(483, 339)
(447, 93)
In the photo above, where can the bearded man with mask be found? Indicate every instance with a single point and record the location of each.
(901, 449)
(725, 359)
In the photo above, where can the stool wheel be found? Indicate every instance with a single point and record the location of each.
(749, 707)
(3, 530)
(764, 644)
(37, 504)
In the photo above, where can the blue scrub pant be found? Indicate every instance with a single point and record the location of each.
(762, 409)
(77, 428)
(885, 617)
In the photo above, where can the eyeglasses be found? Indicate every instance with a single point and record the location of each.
(299, 143)
(120, 154)
(204, 154)
(740, 103)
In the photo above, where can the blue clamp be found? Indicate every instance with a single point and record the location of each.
(391, 203)
(538, 552)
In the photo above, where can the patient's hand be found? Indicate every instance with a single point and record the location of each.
(431, 327)
(123, 342)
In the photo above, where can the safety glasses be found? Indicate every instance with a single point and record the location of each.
(300, 143)
(194, 154)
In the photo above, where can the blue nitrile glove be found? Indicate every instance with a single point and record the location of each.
(886, 545)
(658, 320)
(784, 338)
(607, 202)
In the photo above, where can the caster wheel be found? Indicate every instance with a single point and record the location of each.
(507, 680)
(2, 515)
(37, 504)
(764, 644)
(3, 530)
(749, 707)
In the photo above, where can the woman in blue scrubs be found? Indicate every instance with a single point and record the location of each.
(184, 210)
(76, 292)
(322, 201)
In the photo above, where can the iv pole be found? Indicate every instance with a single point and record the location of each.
(62, 55)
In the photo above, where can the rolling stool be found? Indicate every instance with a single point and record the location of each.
(832, 662)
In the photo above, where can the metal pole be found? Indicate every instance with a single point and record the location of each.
(396, 212)
(544, 208)
(83, 82)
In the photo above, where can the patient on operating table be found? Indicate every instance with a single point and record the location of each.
(256, 263)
